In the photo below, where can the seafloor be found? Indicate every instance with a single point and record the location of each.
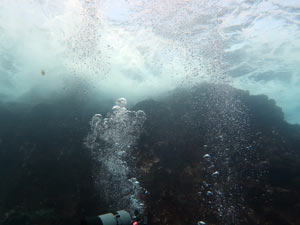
(210, 153)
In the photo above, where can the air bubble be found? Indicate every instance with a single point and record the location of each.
(205, 184)
(140, 114)
(219, 193)
(116, 108)
(207, 157)
(201, 223)
(216, 173)
(120, 153)
(121, 102)
(98, 116)
(209, 193)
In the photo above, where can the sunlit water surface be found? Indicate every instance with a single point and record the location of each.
(139, 48)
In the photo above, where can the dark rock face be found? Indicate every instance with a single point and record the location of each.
(252, 176)
(211, 153)
(46, 173)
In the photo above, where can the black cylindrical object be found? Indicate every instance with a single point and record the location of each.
(122, 217)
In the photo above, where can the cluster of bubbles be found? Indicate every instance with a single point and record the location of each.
(85, 49)
(179, 22)
(111, 140)
(225, 156)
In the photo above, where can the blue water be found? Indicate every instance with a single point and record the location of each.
(138, 49)
(63, 64)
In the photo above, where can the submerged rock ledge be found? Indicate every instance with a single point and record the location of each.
(254, 152)
(211, 153)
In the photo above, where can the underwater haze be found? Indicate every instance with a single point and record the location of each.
(186, 111)
(138, 49)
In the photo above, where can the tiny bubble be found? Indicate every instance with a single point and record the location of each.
(207, 157)
(209, 193)
(216, 173)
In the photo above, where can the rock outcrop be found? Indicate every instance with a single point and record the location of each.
(211, 154)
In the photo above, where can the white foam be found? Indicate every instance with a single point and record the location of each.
(140, 48)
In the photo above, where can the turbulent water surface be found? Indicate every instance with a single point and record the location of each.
(63, 64)
(140, 48)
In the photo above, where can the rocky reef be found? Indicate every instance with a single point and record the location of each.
(211, 154)
(218, 155)
(46, 172)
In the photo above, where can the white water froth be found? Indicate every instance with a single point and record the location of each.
(143, 48)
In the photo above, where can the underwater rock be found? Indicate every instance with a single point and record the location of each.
(46, 172)
(246, 141)
(188, 136)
